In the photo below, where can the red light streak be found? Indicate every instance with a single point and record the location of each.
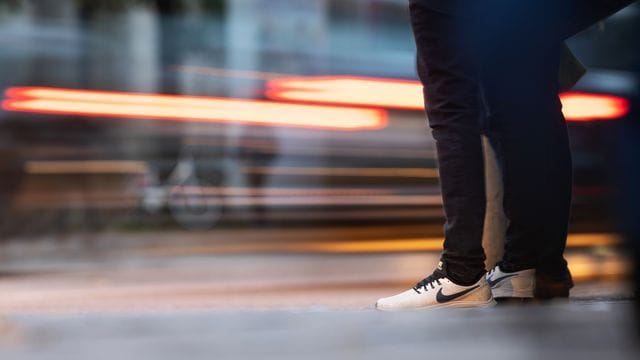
(586, 107)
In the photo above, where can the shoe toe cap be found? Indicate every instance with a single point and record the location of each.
(396, 302)
(382, 304)
(388, 303)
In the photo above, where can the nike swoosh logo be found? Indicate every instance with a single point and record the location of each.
(442, 298)
(493, 282)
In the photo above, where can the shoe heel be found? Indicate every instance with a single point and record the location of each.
(491, 303)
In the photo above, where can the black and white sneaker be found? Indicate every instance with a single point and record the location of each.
(437, 291)
(519, 284)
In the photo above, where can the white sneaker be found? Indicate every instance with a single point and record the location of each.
(437, 291)
(519, 284)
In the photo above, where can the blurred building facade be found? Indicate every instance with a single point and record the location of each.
(71, 171)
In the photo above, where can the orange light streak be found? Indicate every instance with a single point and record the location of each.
(190, 108)
(407, 95)
(585, 267)
(360, 91)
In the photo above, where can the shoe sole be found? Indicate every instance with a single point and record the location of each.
(449, 305)
(506, 301)
(501, 293)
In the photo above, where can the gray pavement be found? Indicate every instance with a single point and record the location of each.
(115, 302)
(578, 330)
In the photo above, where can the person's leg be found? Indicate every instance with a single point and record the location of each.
(527, 127)
(448, 71)
(552, 274)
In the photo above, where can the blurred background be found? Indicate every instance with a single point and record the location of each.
(203, 146)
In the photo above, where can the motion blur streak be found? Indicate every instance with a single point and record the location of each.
(355, 246)
(363, 91)
(323, 200)
(353, 91)
(355, 171)
(190, 108)
(307, 148)
(86, 167)
(406, 94)
(221, 72)
(585, 107)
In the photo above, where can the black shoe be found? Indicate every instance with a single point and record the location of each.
(548, 287)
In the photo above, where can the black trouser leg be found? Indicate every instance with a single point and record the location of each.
(525, 122)
(449, 73)
(527, 127)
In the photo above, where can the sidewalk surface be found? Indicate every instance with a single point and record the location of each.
(134, 302)
(230, 282)
(578, 330)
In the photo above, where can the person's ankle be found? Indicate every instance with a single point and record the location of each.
(509, 267)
